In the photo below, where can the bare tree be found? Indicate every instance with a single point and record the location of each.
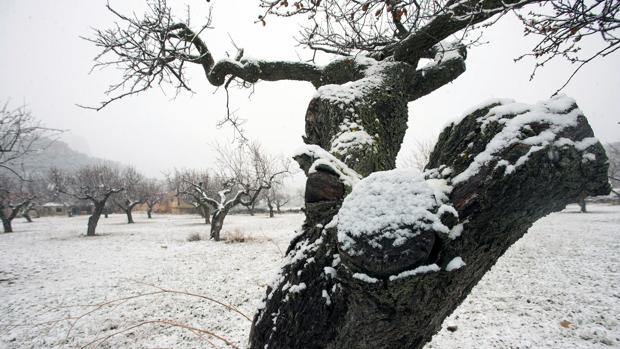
(385, 255)
(154, 195)
(562, 24)
(95, 184)
(15, 197)
(134, 193)
(419, 155)
(276, 197)
(20, 134)
(184, 184)
(36, 185)
(245, 171)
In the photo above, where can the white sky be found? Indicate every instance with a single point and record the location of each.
(45, 64)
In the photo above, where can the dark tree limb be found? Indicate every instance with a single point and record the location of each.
(486, 193)
(453, 18)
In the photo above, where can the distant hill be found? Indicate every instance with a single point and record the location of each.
(57, 154)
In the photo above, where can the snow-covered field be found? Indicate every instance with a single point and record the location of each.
(559, 287)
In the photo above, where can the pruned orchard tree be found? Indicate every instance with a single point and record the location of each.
(36, 186)
(92, 183)
(385, 255)
(134, 193)
(245, 171)
(184, 183)
(276, 196)
(15, 197)
(154, 195)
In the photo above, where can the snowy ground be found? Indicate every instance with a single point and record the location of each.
(559, 287)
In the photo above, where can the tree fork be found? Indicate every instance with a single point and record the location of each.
(328, 297)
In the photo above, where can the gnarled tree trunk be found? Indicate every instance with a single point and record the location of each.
(356, 279)
(94, 218)
(8, 213)
(6, 224)
(129, 216)
(217, 222)
(270, 206)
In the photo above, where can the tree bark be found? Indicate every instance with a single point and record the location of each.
(217, 222)
(94, 218)
(6, 224)
(149, 212)
(129, 216)
(270, 206)
(250, 209)
(7, 220)
(388, 295)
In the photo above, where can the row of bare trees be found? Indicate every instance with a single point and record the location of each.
(244, 175)
(104, 185)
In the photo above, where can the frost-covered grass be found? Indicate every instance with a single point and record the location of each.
(564, 271)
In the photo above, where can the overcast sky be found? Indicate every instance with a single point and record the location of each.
(46, 65)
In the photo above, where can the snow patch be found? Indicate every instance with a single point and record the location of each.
(365, 278)
(297, 288)
(325, 295)
(393, 205)
(329, 271)
(419, 270)
(455, 263)
(456, 231)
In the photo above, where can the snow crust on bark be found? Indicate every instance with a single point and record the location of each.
(517, 121)
(419, 270)
(390, 205)
(455, 263)
(323, 159)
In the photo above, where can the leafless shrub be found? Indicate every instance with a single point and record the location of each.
(194, 237)
(236, 236)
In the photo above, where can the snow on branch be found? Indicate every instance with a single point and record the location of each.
(517, 122)
(155, 50)
(312, 158)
